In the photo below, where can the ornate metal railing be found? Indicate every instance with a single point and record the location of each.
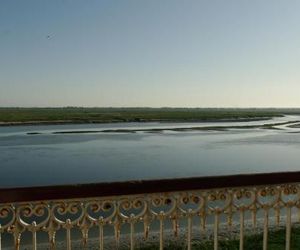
(151, 204)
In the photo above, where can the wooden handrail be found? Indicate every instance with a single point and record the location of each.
(23, 194)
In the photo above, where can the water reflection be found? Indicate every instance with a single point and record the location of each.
(48, 159)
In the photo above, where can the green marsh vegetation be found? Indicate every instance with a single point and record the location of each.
(104, 115)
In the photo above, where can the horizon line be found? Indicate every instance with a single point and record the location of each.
(145, 107)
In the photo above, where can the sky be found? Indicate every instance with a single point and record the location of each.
(150, 53)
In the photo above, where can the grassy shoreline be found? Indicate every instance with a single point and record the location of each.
(47, 116)
(65, 122)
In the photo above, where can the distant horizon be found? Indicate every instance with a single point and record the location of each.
(147, 107)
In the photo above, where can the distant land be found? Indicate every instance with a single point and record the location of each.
(75, 115)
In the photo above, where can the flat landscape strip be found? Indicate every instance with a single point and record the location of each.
(32, 116)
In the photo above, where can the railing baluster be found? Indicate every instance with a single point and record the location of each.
(17, 240)
(101, 238)
(216, 230)
(203, 222)
(288, 228)
(132, 232)
(175, 227)
(230, 213)
(253, 214)
(68, 228)
(266, 225)
(117, 229)
(242, 213)
(277, 215)
(203, 216)
(85, 238)
(51, 235)
(34, 244)
(190, 228)
(161, 230)
(68, 239)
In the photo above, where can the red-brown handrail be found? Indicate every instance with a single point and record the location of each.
(22, 194)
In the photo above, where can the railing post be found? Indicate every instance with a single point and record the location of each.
(51, 238)
(17, 240)
(277, 215)
(216, 229)
(266, 225)
(101, 238)
(253, 215)
(288, 228)
(161, 230)
(242, 213)
(68, 228)
(190, 228)
(202, 215)
(34, 243)
(132, 232)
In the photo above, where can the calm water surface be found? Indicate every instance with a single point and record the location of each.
(51, 159)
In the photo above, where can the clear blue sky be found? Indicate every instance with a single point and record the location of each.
(201, 53)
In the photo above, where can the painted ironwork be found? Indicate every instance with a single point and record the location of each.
(115, 211)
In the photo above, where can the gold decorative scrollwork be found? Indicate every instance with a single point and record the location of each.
(83, 214)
